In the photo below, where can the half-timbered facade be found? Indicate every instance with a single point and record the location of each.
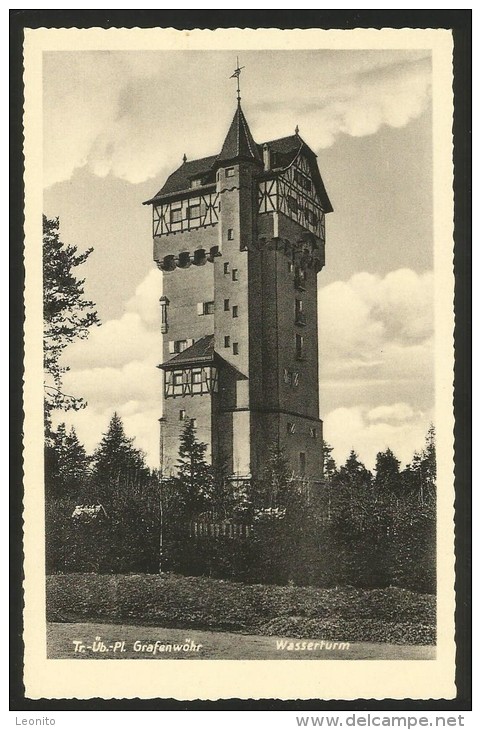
(240, 238)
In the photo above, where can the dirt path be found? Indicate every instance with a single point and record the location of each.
(121, 642)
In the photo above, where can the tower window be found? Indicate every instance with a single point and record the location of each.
(235, 275)
(197, 376)
(182, 414)
(300, 280)
(230, 234)
(194, 422)
(235, 348)
(227, 341)
(291, 427)
(229, 172)
(205, 308)
(193, 211)
(235, 311)
(300, 316)
(290, 267)
(176, 213)
(302, 463)
(292, 204)
(313, 433)
(226, 267)
(226, 305)
(300, 354)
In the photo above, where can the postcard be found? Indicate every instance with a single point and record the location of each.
(239, 361)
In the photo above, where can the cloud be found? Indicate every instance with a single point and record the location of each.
(115, 370)
(376, 342)
(377, 328)
(357, 103)
(397, 426)
(396, 412)
(145, 301)
(132, 115)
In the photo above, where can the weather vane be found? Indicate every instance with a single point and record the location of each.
(236, 75)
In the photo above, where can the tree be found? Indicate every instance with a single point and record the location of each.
(353, 490)
(274, 489)
(330, 467)
(419, 477)
(194, 475)
(387, 480)
(67, 315)
(119, 468)
(67, 467)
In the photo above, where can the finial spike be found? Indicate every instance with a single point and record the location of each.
(236, 75)
(184, 159)
(297, 130)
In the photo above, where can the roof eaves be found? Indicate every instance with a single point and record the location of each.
(179, 193)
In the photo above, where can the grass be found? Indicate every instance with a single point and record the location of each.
(393, 615)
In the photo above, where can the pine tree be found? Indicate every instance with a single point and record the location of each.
(67, 315)
(387, 480)
(353, 493)
(67, 466)
(419, 477)
(194, 475)
(119, 468)
(330, 467)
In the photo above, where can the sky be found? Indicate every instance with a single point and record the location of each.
(117, 123)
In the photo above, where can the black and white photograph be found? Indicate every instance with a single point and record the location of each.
(246, 448)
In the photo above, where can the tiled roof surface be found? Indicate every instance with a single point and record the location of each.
(239, 143)
(200, 351)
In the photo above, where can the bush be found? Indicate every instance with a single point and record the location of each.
(348, 614)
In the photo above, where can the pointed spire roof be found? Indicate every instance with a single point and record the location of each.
(239, 143)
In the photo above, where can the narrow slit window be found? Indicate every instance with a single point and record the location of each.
(226, 305)
(299, 347)
(230, 234)
(235, 275)
(235, 311)
(227, 341)
(235, 348)
(302, 463)
(226, 267)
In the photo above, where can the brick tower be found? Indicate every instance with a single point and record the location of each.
(240, 240)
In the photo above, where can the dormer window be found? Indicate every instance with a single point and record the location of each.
(229, 172)
(196, 183)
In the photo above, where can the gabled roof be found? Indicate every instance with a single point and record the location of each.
(201, 351)
(239, 143)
